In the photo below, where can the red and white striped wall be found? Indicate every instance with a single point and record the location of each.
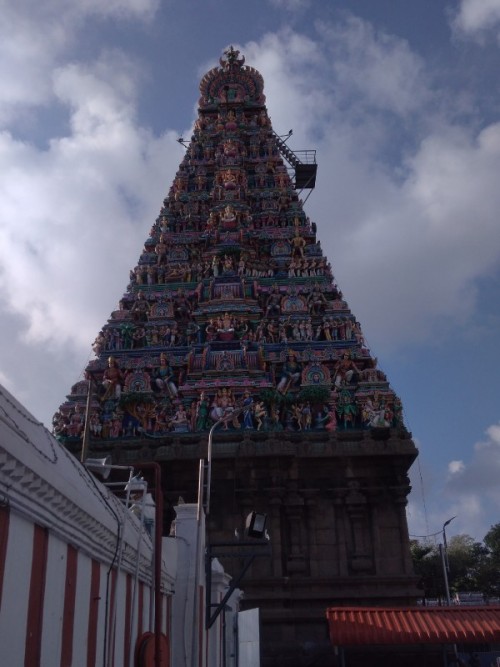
(54, 602)
(75, 566)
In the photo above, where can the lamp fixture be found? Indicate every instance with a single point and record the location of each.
(101, 467)
(255, 525)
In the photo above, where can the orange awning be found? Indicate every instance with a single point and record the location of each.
(352, 626)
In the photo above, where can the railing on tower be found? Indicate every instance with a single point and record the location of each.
(302, 162)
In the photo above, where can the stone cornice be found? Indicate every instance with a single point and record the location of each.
(312, 444)
(30, 495)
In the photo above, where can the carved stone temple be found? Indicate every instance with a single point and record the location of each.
(233, 315)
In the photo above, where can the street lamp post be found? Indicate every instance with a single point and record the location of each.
(247, 549)
(203, 504)
(226, 417)
(443, 548)
(209, 464)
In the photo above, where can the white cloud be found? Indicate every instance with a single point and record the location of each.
(373, 68)
(493, 433)
(456, 467)
(35, 36)
(444, 496)
(127, 9)
(86, 204)
(27, 52)
(291, 5)
(472, 486)
(475, 16)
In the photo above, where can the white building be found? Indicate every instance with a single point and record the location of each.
(77, 569)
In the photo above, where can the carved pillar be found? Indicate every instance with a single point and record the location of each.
(401, 501)
(296, 554)
(274, 528)
(360, 553)
(311, 524)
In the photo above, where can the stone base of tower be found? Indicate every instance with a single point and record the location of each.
(294, 628)
(335, 505)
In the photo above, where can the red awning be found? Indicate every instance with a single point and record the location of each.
(352, 626)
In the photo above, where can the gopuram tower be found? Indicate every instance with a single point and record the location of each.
(232, 314)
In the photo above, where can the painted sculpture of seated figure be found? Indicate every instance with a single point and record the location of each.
(231, 123)
(222, 406)
(180, 419)
(290, 374)
(225, 328)
(164, 377)
(230, 147)
(346, 371)
(227, 265)
(228, 218)
(230, 181)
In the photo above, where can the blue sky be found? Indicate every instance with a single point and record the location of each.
(401, 101)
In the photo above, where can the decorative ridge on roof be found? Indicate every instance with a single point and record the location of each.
(232, 82)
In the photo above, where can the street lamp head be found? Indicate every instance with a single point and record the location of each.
(448, 522)
(256, 525)
(101, 467)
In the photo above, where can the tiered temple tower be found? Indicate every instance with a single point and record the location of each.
(233, 311)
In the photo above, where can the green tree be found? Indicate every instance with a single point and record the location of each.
(492, 541)
(472, 566)
(466, 558)
(489, 573)
(427, 565)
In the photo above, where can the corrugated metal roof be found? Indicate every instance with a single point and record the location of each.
(351, 626)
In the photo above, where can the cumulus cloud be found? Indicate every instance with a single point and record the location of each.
(471, 487)
(291, 5)
(483, 470)
(373, 68)
(455, 492)
(455, 467)
(475, 16)
(85, 203)
(34, 36)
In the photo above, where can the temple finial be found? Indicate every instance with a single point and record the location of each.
(231, 58)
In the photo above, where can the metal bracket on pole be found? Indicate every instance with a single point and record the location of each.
(242, 549)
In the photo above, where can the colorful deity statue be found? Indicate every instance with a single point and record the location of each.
(112, 380)
(202, 407)
(228, 218)
(345, 371)
(164, 377)
(248, 408)
(180, 420)
(290, 374)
